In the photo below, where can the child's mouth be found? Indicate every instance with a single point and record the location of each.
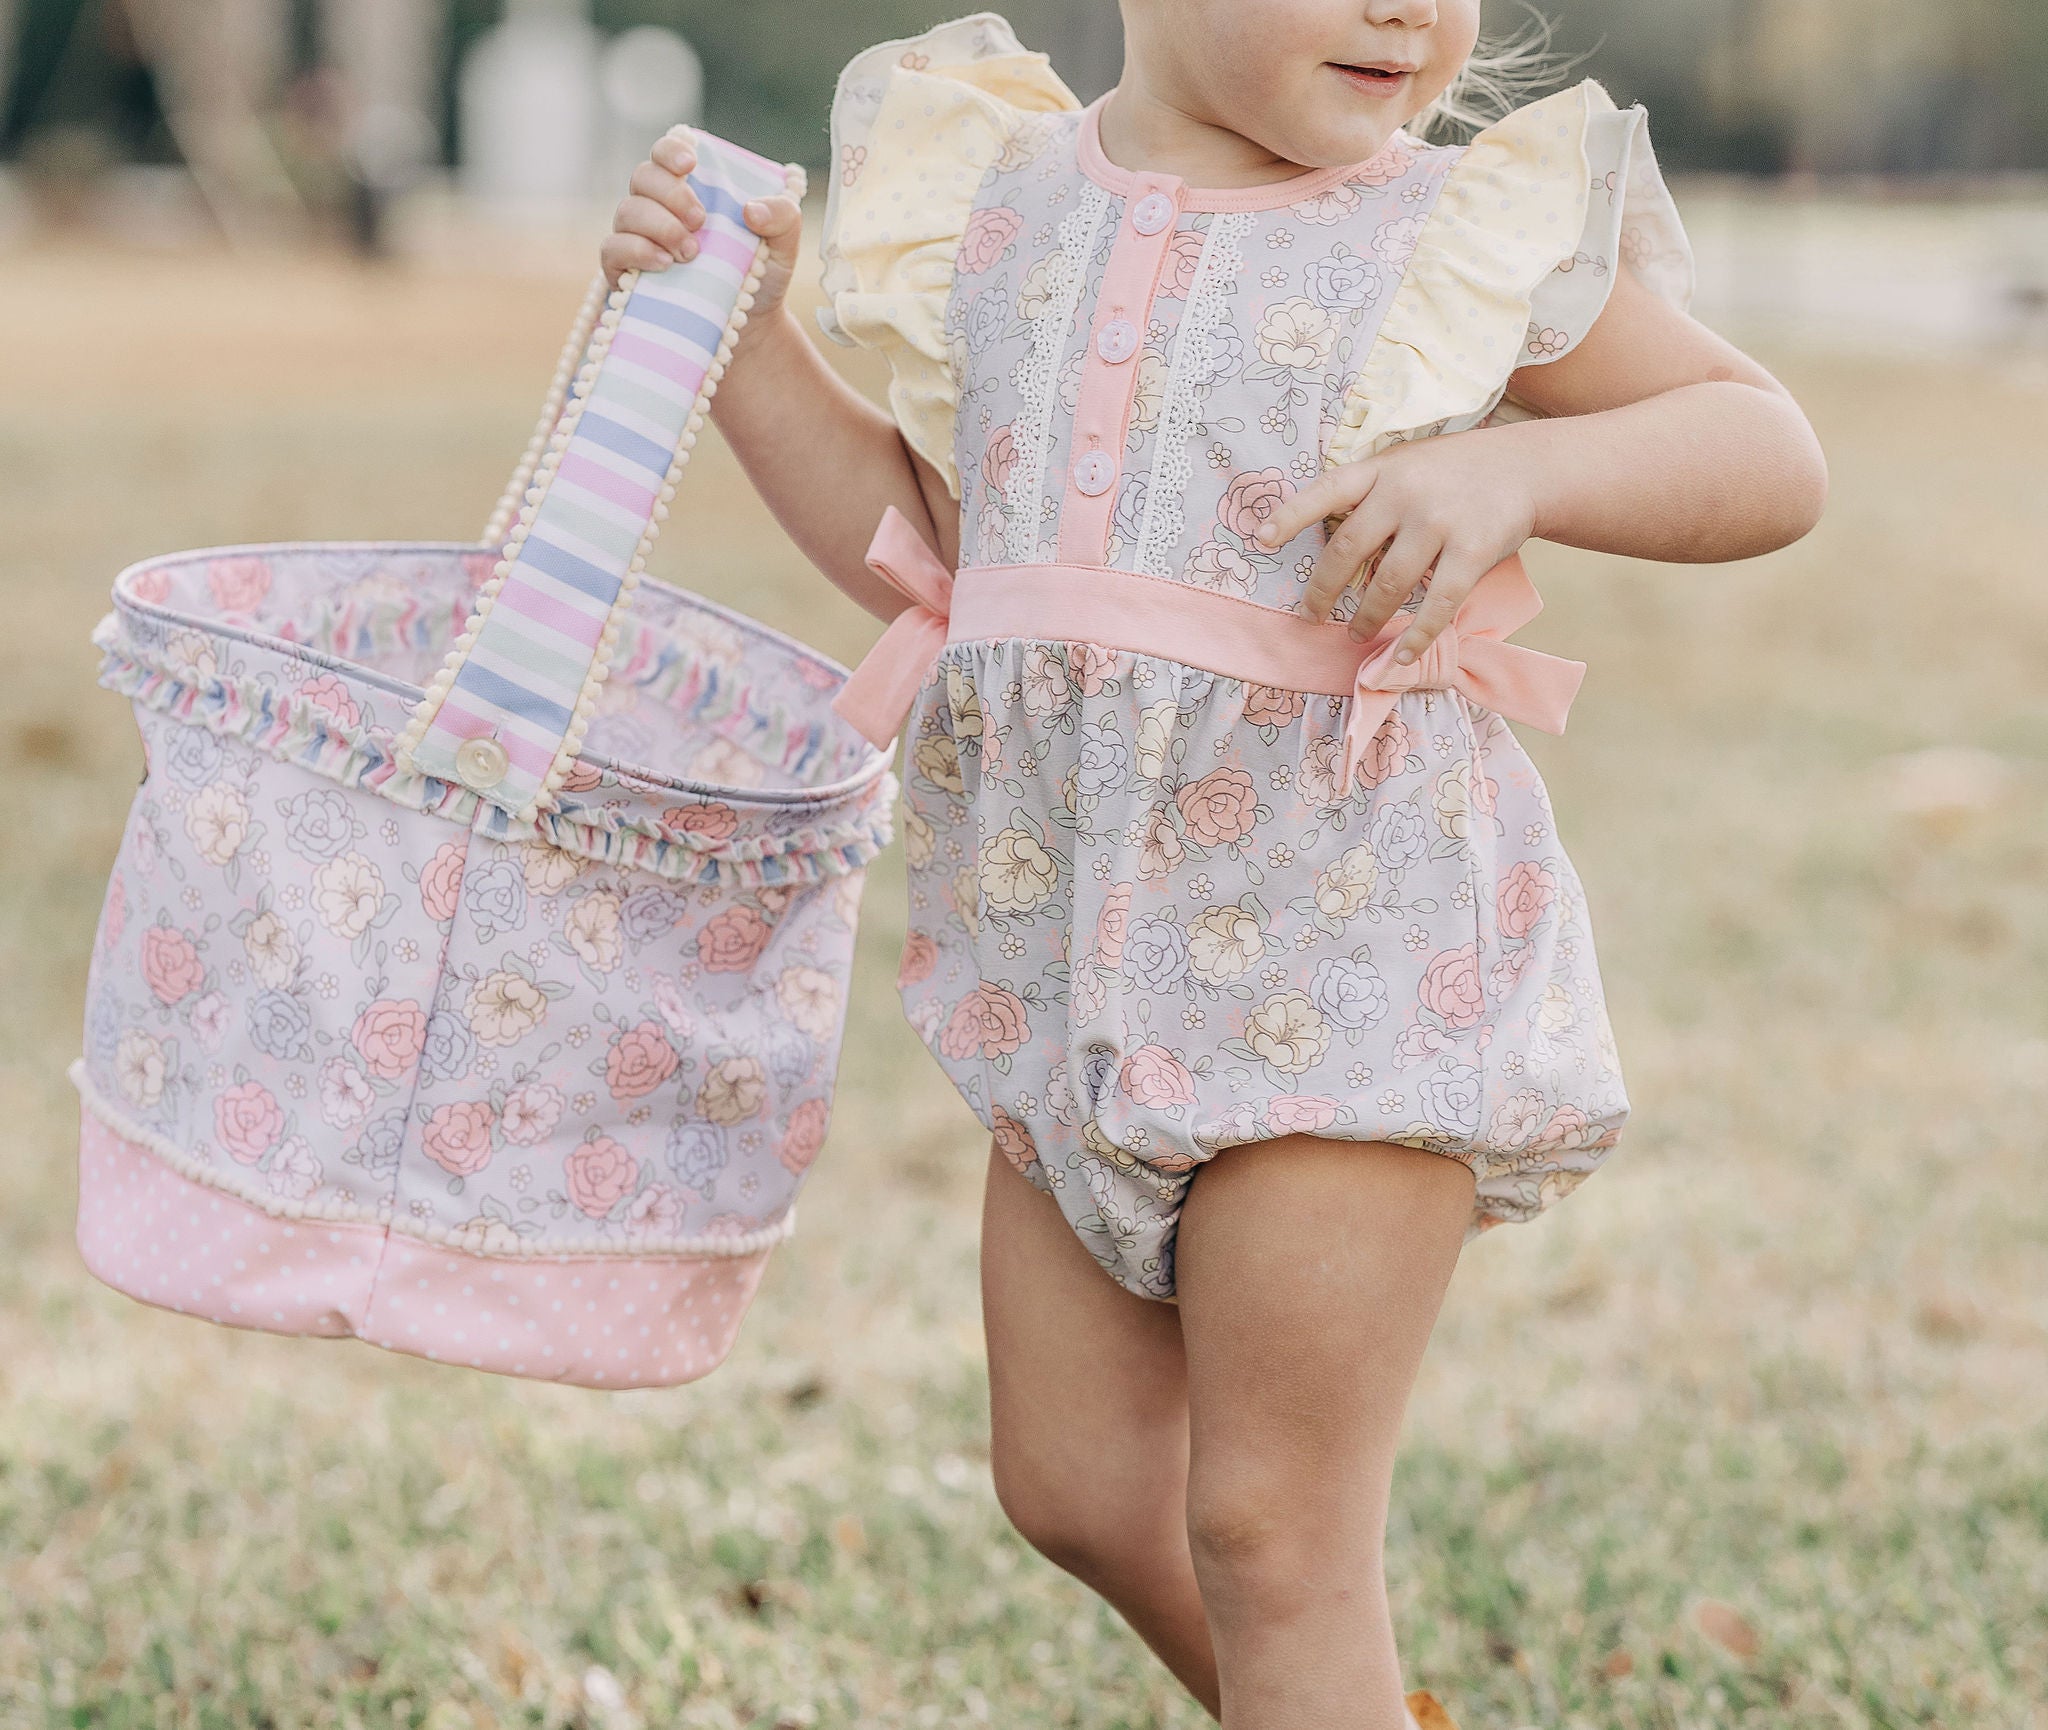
(1383, 79)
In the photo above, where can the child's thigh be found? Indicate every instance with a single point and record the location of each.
(1085, 1378)
(1309, 1275)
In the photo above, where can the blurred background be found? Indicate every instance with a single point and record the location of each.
(1748, 1434)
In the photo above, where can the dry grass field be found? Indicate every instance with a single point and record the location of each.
(1750, 1433)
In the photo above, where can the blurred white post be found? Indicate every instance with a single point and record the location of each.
(386, 53)
(651, 80)
(529, 109)
(218, 65)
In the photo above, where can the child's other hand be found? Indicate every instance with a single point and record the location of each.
(656, 223)
(1448, 508)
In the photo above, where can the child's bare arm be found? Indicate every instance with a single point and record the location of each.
(1669, 443)
(826, 460)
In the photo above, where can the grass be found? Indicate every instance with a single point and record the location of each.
(1788, 1355)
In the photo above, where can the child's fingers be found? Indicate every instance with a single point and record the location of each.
(1404, 564)
(1331, 493)
(774, 219)
(656, 223)
(676, 151)
(671, 191)
(1350, 548)
(623, 252)
(1457, 573)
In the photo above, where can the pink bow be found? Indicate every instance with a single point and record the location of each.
(878, 694)
(1470, 656)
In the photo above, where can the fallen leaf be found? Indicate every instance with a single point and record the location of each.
(1428, 1713)
(1617, 1664)
(1727, 1628)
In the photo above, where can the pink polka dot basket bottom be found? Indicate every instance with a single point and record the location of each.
(472, 974)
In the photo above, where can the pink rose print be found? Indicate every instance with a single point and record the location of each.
(1090, 665)
(1153, 1076)
(153, 587)
(346, 1096)
(1250, 501)
(920, 956)
(988, 1022)
(1183, 256)
(457, 1137)
(238, 585)
(1220, 808)
(1300, 1113)
(441, 881)
(389, 1036)
(987, 237)
(1112, 924)
(583, 777)
(640, 1060)
(1214, 565)
(1269, 706)
(999, 458)
(531, 1113)
(1013, 1141)
(706, 821)
(657, 1211)
(805, 1135)
(1524, 896)
(733, 941)
(1566, 1129)
(601, 1174)
(1385, 168)
(248, 1120)
(1450, 987)
(114, 920)
(330, 695)
(1387, 752)
(170, 964)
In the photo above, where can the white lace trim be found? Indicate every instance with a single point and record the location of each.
(1194, 355)
(1036, 374)
(716, 1245)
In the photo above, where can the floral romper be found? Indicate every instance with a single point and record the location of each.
(1158, 910)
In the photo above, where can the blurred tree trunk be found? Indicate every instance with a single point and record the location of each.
(387, 54)
(218, 66)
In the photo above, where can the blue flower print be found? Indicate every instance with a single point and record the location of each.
(450, 1048)
(1349, 993)
(651, 912)
(382, 1140)
(1344, 282)
(190, 756)
(1450, 1097)
(697, 1154)
(320, 824)
(279, 1025)
(1105, 760)
(1156, 953)
(496, 898)
(1399, 837)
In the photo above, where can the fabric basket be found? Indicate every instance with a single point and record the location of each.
(472, 974)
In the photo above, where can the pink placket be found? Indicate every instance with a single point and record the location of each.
(1109, 369)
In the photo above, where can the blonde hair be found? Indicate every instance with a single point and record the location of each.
(1503, 73)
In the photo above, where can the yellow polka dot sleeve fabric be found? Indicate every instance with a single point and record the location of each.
(1515, 265)
(916, 125)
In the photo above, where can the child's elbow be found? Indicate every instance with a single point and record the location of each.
(1801, 484)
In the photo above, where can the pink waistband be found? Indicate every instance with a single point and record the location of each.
(1219, 633)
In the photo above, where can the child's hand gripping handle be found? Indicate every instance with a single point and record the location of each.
(506, 715)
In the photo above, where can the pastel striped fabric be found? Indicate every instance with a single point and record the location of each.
(534, 655)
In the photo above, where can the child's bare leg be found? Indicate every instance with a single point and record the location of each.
(1309, 1276)
(1088, 1402)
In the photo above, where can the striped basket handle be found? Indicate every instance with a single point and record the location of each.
(506, 715)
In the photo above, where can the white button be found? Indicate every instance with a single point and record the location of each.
(1117, 341)
(481, 763)
(1152, 213)
(1093, 473)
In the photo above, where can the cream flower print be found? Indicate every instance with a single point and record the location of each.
(1454, 800)
(809, 997)
(919, 838)
(504, 1007)
(348, 894)
(1046, 690)
(548, 870)
(1154, 740)
(1040, 288)
(189, 654)
(733, 1091)
(965, 702)
(1347, 883)
(592, 931)
(1329, 207)
(140, 1068)
(1297, 335)
(272, 950)
(1554, 1012)
(1225, 943)
(217, 820)
(937, 759)
(1149, 394)
(1017, 874)
(1288, 1032)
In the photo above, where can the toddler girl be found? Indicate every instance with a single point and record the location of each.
(1237, 912)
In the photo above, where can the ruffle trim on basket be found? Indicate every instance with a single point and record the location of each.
(303, 734)
(498, 1241)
